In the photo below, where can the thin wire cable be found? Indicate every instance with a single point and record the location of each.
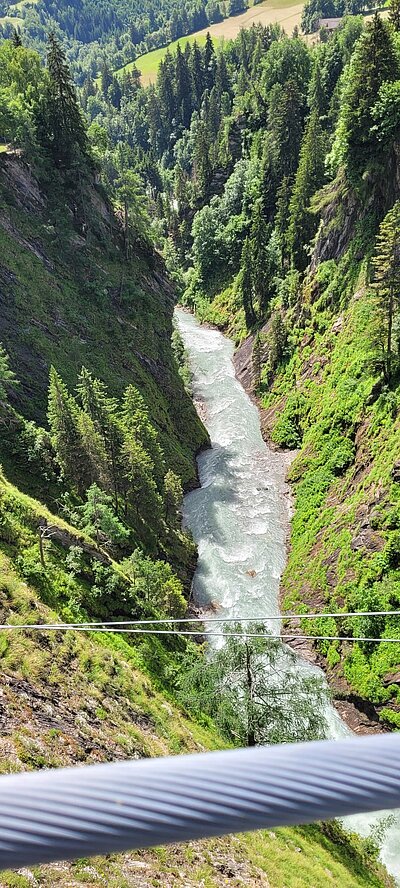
(79, 812)
(204, 619)
(89, 627)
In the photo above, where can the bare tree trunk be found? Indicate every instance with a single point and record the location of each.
(251, 738)
(389, 336)
(126, 229)
(41, 548)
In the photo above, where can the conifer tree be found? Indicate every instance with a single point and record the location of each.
(222, 79)
(137, 425)
(61, 127)
(140, 488)
(394, 14)
(99, 520)
(245, 283)
(166, 91)
(285, 128)
(316, 97)
(106, 78)
(214, 114)
(197, 75)
(183, 88)
(374, 62)
(386, 283)
(64, 421)
(16, 38)
(201, 160)
(283, 196)
(309, 177)
(103, 412)
(209, 62)
(7, 376)
(173, 496)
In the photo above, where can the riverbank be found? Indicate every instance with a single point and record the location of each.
(358, 714)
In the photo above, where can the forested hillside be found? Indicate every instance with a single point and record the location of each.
(284, 190)
(271, 176)
(258, 182)
(99, 34)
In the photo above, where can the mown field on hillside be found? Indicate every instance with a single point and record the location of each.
(284, 12)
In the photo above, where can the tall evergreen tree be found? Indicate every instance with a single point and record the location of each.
(166, 90)
(61, 127)
(201, 160)
(16, 38)
(285, 125)
(386, 282)
(7, 376)
(209, 62)
(245, 284)
(102, 411)
(374, 62)
(283, 196)
(183, 88)
(197, 75)
(309, 177)
(64, 421)
(138, 426)
(394, 14)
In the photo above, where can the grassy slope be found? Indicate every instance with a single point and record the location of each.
(69, 301)
(74, 698)
(149, 63)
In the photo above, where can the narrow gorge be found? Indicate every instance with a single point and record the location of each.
(239, 518)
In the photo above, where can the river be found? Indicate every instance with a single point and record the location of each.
(239, 518)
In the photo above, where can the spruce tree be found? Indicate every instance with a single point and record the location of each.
(394, 14)
(386, 283)
(309, 177)
(183, 88)
(166, 90)
(197, 75)
(283, 196)
(209, 62)
(141, 494)
(99, 520)
(202, 160)
(285, 126)
(7, 376)
(16, 38)
(245, 284)
(173, 496)
(374, 62)
(61, 127)
(137, 425)
(103, 412)
(66, 434)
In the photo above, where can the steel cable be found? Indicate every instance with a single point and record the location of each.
(76, 812)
